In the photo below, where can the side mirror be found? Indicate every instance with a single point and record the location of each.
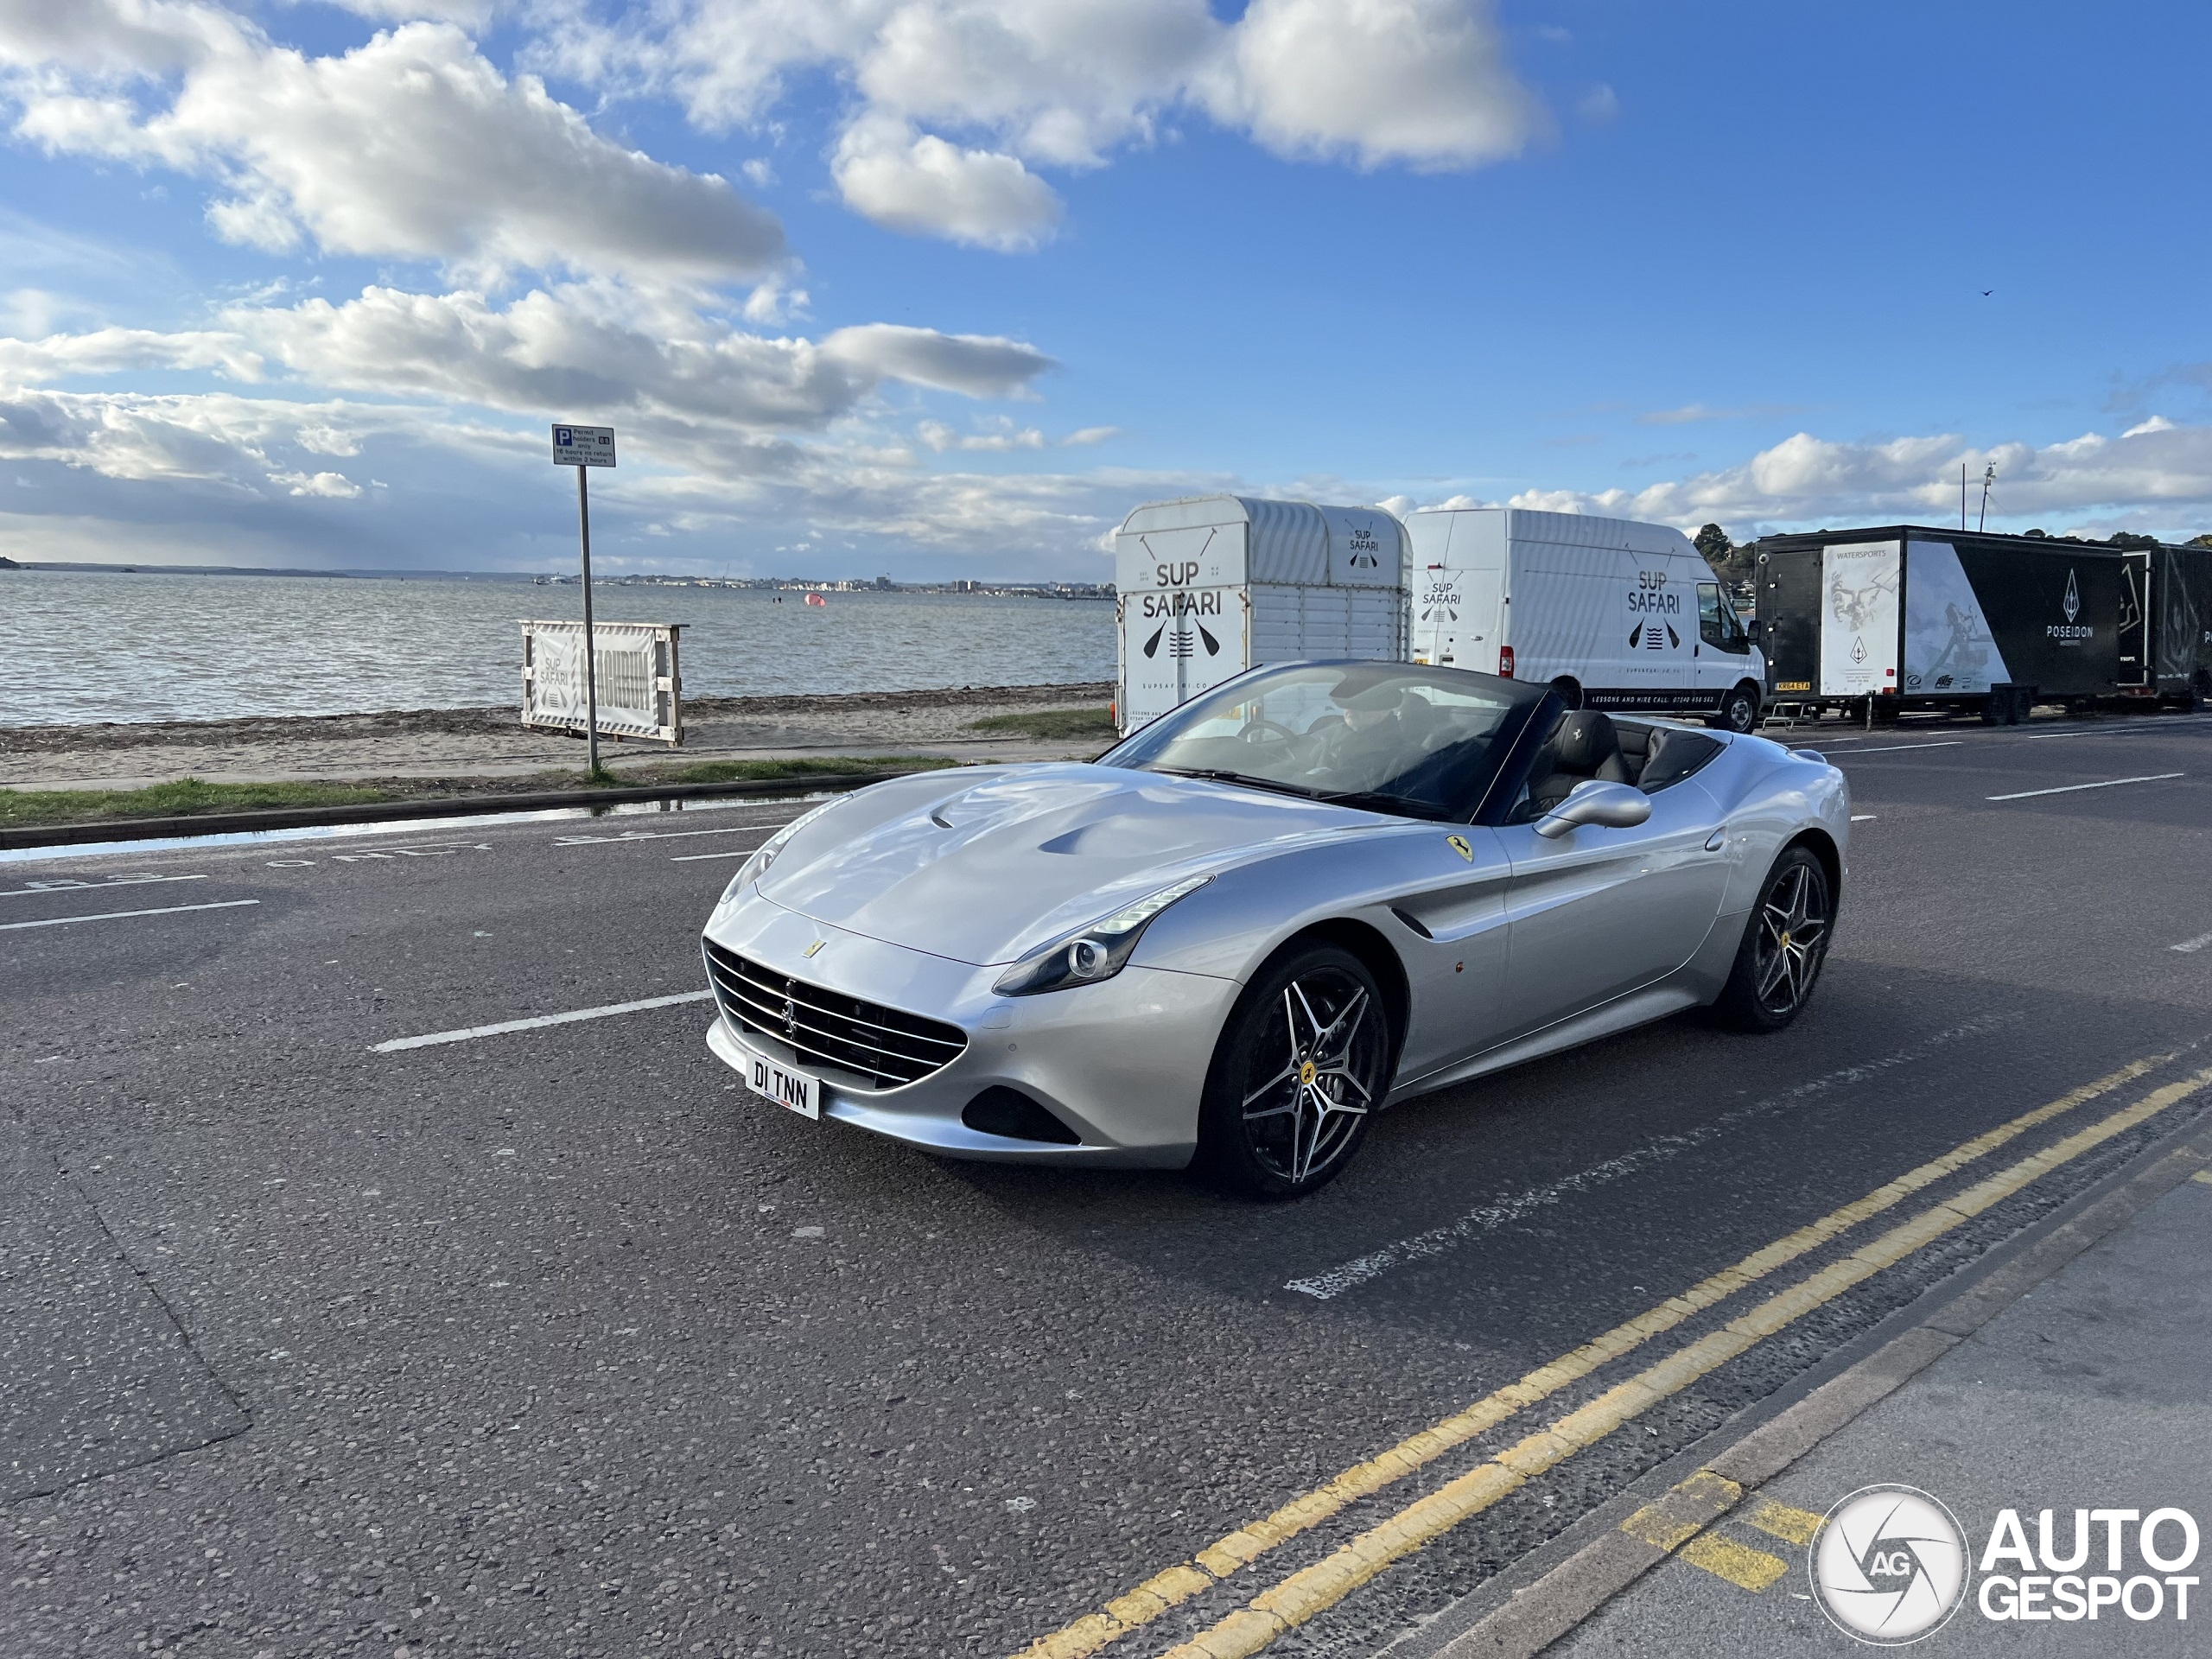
(1609, 806)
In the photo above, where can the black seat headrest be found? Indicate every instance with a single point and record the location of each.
(1584, 741)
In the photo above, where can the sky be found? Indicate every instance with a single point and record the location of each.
(936, 288)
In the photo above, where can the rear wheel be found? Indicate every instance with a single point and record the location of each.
(1784, 944)
(1570, 691)
(1302, 1064)
(1739, 708)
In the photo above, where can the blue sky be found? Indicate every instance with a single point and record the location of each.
(944, 286)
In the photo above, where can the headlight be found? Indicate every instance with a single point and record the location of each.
(757, 865)
(1093, 953)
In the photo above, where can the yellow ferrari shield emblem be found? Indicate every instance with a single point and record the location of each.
(1458, 844)
(816, 946)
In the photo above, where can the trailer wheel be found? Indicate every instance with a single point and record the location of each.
(1569, 690)
(1739, 708)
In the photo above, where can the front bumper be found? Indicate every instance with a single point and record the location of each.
(1122, 1063)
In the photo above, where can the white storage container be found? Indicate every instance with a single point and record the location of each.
(1211, 585)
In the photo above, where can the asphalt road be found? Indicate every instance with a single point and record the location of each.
(555, 1341)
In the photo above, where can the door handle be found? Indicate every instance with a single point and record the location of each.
(1716, 841)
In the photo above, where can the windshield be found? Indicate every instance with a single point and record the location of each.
(1391, 736)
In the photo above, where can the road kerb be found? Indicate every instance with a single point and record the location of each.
(1139, 1606)
(1560, 1601)
(1305, 1594)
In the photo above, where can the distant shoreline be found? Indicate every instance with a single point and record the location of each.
(960, 586)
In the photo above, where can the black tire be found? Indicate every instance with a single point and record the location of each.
(1777, 967)
(1569, 690)
(1288, 1095)
(1739, 708)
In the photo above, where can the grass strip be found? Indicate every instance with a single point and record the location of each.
(191, 797)
(732, 771)
(175, 800)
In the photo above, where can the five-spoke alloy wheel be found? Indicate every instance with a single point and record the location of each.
(1302, 1064)
(1784, 943)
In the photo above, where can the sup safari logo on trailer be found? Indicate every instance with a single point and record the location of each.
(1212, 585)
(1617, 614)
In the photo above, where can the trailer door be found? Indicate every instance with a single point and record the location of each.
(1860, 590)
(2135, 667)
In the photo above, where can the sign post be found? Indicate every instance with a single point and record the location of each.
(583, 448)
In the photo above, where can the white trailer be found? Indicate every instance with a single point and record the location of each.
(1617, 614)
(1210, 586)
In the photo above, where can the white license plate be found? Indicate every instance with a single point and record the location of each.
(779, 1083)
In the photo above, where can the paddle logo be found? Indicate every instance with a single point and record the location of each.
(1888, 1565)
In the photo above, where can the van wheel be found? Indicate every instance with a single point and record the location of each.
(1739, 709)
(1570, 691)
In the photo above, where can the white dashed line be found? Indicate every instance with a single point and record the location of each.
(85, 887)
(1901, 748)
(695, 858)
(2070, 789)
(505, 1026)
(663, 835)
(1862, 817)
(2188, 947)
(119, 915)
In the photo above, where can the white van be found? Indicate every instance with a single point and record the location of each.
(1616, 614)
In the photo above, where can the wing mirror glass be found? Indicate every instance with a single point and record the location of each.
(1609, 806)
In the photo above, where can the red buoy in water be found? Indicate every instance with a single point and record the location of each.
(816, 598)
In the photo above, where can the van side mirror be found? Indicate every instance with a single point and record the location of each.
(1609, 806)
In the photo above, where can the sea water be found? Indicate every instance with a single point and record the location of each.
(78, 646)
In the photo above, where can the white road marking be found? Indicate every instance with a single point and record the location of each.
(81, 886)
(505, 1026)
(2188, 946)
(118, 915)
(2068, 789)
(1900, 748)
(663, 835)
(1862, 817)
(2129, 729)
(1488, 1218)
(694, 858)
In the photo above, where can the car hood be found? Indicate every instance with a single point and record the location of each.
(987, 873)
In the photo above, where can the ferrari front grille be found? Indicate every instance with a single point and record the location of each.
(828, 1028)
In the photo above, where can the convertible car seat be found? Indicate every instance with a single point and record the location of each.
(1583, 746)
(1674, 755)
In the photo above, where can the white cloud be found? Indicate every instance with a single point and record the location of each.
(921, 183)
(577, 350)
(1088, 435)
(1424, 81)
(411, 146)
(1004, 437)
(332, 485)
(2152, 471)
(958, 101)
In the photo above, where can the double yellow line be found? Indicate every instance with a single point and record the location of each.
(1298, 1598)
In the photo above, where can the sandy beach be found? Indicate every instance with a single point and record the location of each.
(490, 746)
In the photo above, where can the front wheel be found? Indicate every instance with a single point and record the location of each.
(1784, 944)
(1302, 1064)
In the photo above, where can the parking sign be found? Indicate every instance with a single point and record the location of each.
(583, 445)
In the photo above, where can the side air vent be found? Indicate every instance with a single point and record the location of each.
(1414, 922)
(1001, 1110)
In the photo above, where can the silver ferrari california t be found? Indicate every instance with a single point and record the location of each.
(1314, 891)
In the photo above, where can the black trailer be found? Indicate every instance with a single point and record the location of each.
(1907, 616)
(2172, 586)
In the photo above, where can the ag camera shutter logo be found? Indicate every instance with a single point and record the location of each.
(1888, 1565)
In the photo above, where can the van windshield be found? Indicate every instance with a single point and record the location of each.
(1392, 737)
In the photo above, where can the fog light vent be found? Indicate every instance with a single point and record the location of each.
(1001, 1110)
